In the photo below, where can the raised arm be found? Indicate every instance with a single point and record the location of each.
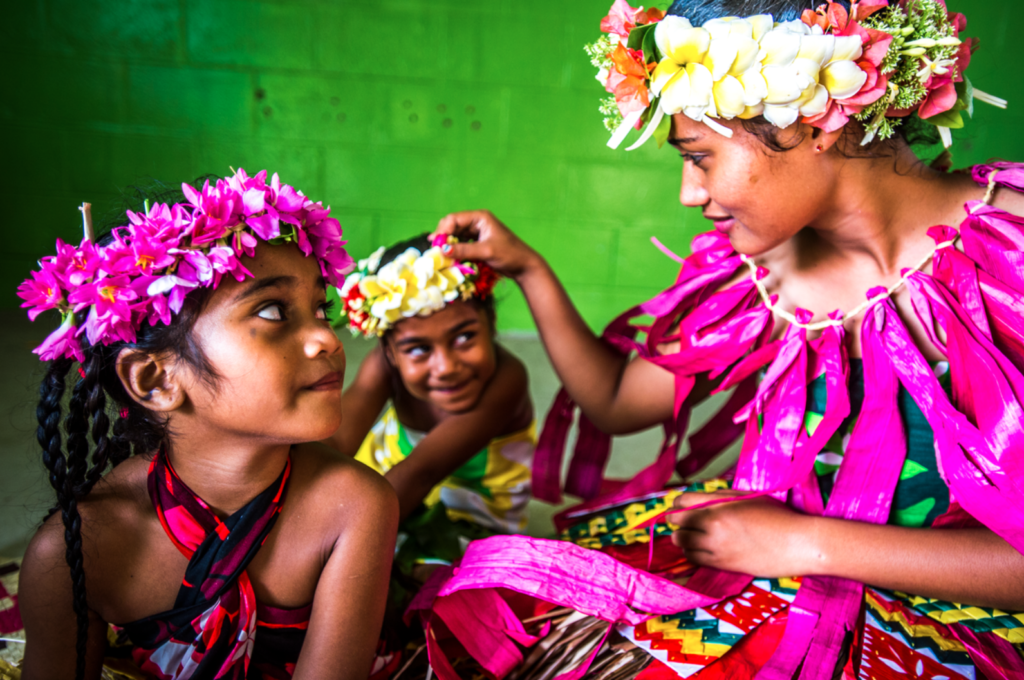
(459, 437)
(620, 395)
(362, 402)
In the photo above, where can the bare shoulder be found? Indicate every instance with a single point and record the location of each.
(507, 401)
(328, 482)
(1009, 200)
(512, 369)
(116, 509)
(111, 518)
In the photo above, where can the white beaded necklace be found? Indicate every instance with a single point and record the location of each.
(859, 309)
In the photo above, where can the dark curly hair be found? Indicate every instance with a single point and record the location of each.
(100, 409)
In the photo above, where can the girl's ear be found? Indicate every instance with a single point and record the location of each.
(823, 141)
(151, 380)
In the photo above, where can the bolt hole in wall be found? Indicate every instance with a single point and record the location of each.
(111, 92)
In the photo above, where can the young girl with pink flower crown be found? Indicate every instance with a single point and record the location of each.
(197, 532)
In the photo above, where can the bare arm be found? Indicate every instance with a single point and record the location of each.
(348, 606)
(459, 437)
(767, 539)
(620, 395)
(45, 601)
(362, 403)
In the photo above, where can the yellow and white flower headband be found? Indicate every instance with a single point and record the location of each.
(376, 297)
(876, 62)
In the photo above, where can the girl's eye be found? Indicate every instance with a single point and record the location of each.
(417, 351)
(463, 338)
(322, 312)
(272, 312)
(696, 159)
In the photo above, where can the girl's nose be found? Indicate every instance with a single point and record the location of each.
(443, 363)
(693, 193)
(322, 340)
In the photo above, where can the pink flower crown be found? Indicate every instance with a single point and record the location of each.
(145, 272)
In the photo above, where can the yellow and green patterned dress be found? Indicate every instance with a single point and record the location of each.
(488, 494)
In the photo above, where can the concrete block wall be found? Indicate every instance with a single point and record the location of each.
(393, 112)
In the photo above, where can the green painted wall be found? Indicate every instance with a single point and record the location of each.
(393, 112)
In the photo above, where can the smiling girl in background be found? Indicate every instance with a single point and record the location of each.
(457, 438)
(216, 546)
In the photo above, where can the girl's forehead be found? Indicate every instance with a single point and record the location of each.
(279, 266)
(454, 316)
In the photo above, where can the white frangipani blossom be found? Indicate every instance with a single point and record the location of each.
(744, 67)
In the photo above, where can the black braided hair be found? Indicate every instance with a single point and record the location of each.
(98, 388)
(913, 130)
(62, 470)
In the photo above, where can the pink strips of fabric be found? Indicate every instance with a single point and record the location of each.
(972, 307)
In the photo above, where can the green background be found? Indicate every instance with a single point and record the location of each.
(393, 112)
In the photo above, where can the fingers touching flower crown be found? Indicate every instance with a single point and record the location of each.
(144, 273)
(877, 63)
(376, 296)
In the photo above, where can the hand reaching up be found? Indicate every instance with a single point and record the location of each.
(490, 241)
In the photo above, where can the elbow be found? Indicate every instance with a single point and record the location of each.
(612, 423)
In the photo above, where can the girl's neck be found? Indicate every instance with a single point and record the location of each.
(881, 210)
(226, 474)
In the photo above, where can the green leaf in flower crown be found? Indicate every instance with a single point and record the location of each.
(637, 36)
(965, 96)
(951, 119)
(664, 128)
(646, 116)
(651, 53)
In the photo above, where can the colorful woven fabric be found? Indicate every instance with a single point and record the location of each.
(895, 641)
(897, 630)
(491, 489)
(217, 628)
(12, 647)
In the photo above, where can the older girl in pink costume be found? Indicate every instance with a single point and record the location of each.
(788, 123)
(221, 543)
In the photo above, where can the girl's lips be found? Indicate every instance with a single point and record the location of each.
(724, 225)
(331, 381)
(451, 389)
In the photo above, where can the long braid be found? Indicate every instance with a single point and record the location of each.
(76, 427)
(51, 392)
(135, 431)
(73, 554)
(48, 433)
(120, 442)
(96, 404)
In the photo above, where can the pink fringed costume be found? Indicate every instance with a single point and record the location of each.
(731, 625)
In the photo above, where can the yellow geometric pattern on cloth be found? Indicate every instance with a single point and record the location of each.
(692, 640)
(1007, 625)
(619, 526)
(492, 489)
(914, 630)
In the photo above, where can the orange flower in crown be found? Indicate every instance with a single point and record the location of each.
(877, 63)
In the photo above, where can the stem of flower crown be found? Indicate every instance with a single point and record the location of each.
(86, 209)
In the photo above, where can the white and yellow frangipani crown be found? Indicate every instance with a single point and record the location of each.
(736, 67)
(415, 283)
